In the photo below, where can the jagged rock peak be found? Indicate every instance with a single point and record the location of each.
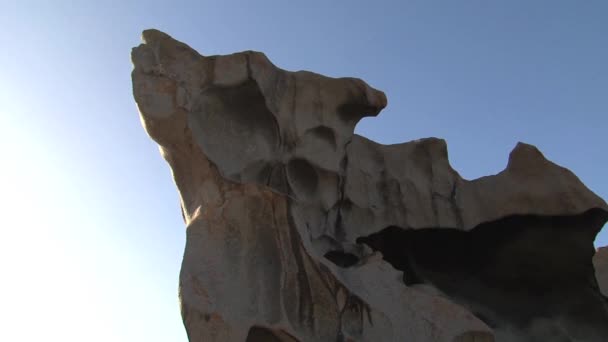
(300, 230)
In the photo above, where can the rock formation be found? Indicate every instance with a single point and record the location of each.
(300, 230)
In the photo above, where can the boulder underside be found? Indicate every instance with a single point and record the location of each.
(300, 230)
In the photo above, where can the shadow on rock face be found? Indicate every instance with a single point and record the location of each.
(529, 274)
(342, 259)
(239, 136)
(260, 334)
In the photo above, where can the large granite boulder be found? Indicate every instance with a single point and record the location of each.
(299, 230)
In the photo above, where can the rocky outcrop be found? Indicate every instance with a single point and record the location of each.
(300, 230)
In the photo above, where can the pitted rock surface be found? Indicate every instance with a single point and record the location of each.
(300, 230)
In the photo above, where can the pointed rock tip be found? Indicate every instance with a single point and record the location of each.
(528, 150)
(523, 154)
(376, 98)
(149, 36)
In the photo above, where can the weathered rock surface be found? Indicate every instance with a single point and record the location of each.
(300, 230)
(600, 262)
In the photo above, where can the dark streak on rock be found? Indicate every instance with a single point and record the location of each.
(305, 307)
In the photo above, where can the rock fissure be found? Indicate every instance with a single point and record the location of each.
(338, 226)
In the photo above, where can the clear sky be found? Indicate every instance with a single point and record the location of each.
(92, 235)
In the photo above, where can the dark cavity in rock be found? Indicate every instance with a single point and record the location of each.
(525, 275)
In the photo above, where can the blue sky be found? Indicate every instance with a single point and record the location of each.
(92, 232)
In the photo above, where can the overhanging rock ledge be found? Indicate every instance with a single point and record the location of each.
(300, 230)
